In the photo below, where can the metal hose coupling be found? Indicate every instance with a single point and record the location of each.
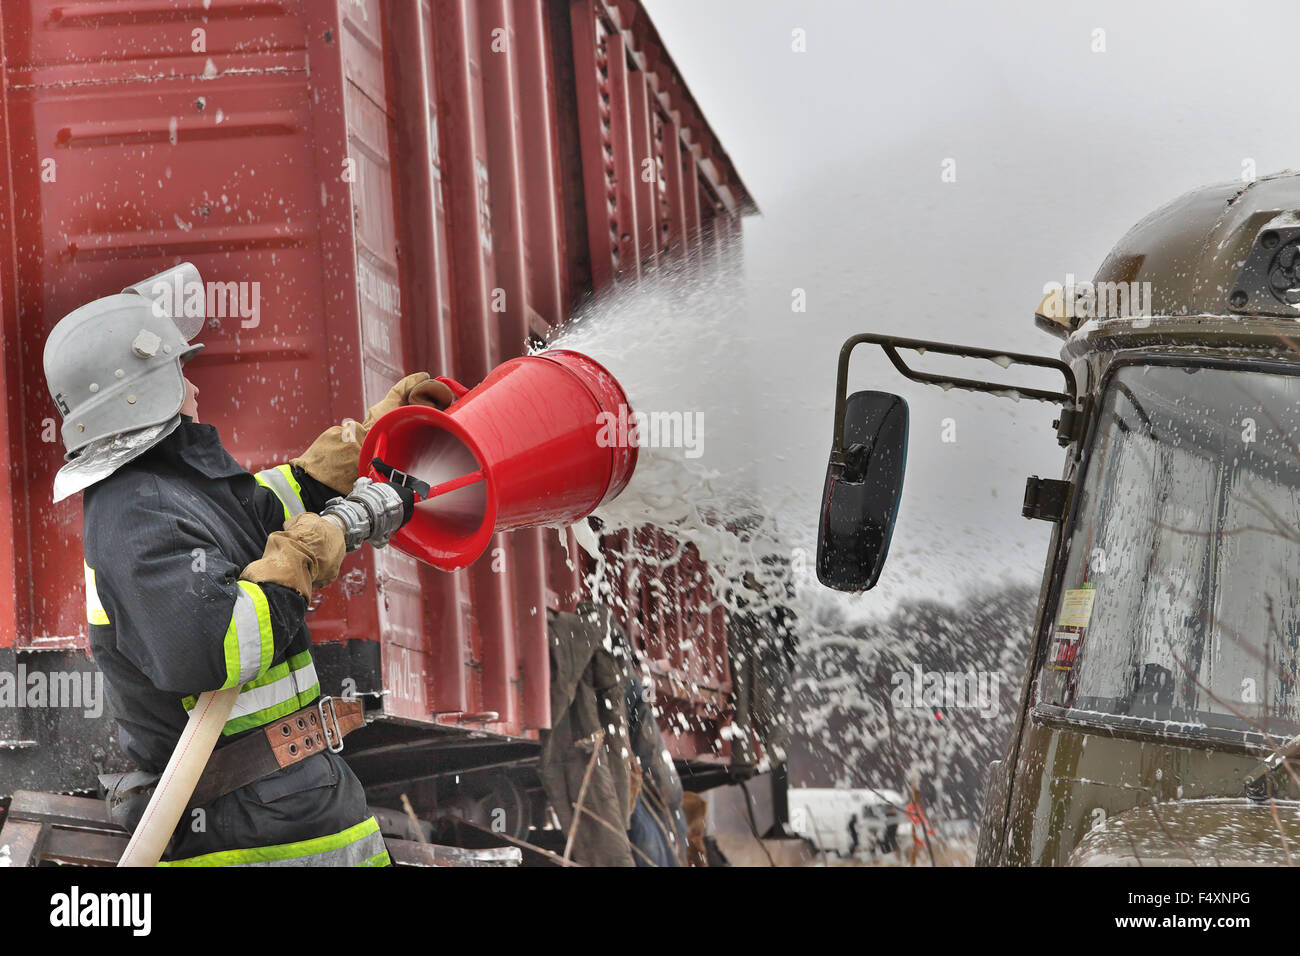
(372, 511)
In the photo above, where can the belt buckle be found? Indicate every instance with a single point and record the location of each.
(334, 745)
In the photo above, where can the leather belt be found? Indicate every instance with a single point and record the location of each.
(318, 727)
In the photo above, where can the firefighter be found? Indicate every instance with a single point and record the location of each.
(198, 578)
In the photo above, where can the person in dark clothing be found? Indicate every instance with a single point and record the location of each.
(889, 840)
(198, 578)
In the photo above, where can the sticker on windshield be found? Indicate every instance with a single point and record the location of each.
(1076, 607)
(1065, 645)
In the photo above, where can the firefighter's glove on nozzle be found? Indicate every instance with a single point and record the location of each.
(332, 458)
(304, 556)
(372, 512)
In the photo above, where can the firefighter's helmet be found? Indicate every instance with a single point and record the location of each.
(114, 365)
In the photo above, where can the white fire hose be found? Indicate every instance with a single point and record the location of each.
(179, 778)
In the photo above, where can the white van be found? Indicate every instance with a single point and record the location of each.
(828, 817)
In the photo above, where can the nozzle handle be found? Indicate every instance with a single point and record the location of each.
(457, 389)
(381, 467)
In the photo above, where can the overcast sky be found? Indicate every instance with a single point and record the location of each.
(1066, 122)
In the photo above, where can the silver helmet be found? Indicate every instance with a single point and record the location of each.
(113, 367)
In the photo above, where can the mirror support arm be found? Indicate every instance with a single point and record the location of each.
(891, 344)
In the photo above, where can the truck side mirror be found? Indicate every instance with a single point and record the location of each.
(864, 481)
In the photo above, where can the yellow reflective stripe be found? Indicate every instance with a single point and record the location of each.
(266, 643)
(95, 613)
(296, 662)
(272, 702)
(359, 845)
(283, 485)
(288, 686)
(249, 644)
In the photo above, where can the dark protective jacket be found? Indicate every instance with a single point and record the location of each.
(166, 537)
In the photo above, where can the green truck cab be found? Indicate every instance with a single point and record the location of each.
(1160, 707)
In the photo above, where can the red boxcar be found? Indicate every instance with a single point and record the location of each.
(421, 184)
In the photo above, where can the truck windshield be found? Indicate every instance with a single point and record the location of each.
(1180, 596)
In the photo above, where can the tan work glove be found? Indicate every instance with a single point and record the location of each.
(304, 556)
(332, 458)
